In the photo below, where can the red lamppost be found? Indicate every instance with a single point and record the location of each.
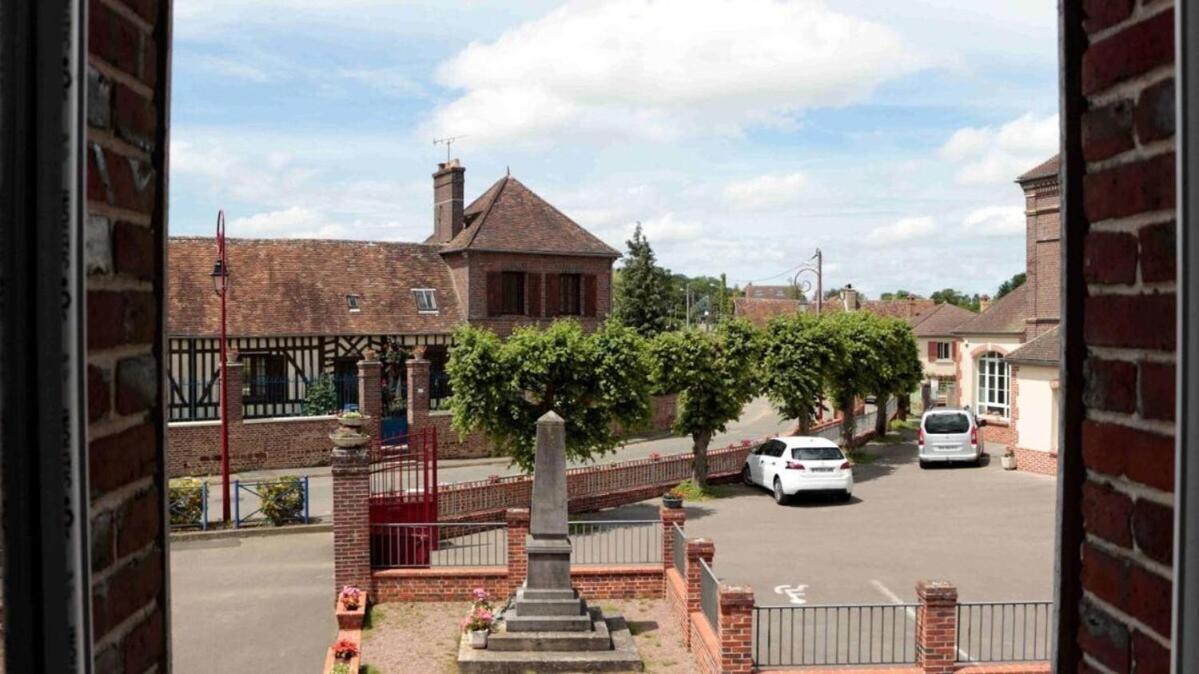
(220, 284)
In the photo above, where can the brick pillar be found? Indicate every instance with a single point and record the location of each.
(233, 388)
(370, 395)
(518, 531)
(351, 518)
(697, 549)
(670, 517)
(936, 626)
(736, 628)
(418, 391)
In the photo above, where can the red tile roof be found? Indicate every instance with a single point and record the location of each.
(942, 320)
(1044, 350)
(510, 217)
(1006, 315)
(299, 287)
(1046, 169)
(770, 292)
(910, 310)
(759, 311)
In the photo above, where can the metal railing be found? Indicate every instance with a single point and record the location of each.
(1004, 631)
(860, 634)
(615, 542)
(272, 507)
(680, 550)
(709, 595)
(421, 545)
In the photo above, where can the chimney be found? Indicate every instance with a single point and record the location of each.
(850, 297)
(448, 186)
(983, 303)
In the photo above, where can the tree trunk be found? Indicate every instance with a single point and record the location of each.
(699, 448)
(880, 414)
(805, 423)
(848, 423)
(904, 407)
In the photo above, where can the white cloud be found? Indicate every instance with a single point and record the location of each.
(995, 221)
(668, 228)
(667, 68)
(988, 155)
(900, 231)
(235, 68)
(766, 191)
(295, 222)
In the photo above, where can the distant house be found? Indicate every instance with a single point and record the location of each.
(301, 308)
(937, 346)
(759, 310)
(787, 292)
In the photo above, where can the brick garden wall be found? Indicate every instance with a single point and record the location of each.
(1128, 323)
(125, 229)
(255, 444)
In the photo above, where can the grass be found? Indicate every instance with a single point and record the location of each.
(911, 424)
(691, 491)
(861, 458)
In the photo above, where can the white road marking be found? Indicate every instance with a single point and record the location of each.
(795, 593)
(909, 610)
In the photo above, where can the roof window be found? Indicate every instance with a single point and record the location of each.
(354, 303)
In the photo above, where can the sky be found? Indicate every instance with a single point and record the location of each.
(741, 134)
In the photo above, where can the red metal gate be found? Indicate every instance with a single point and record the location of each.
(403, 493)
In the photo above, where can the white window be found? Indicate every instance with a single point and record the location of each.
(354, 303)
(426, 300)
(993, 382)
(944, 350)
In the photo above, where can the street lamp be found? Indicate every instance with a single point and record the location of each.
(816, 269)
(220, 285)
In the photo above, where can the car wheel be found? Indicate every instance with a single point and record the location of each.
(923, 463)
(746, 478)
(780, 497)
(845, 496)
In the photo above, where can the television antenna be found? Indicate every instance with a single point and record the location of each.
(448, 141)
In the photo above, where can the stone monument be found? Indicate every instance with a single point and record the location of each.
(548, 626)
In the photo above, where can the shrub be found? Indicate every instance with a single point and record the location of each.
(321, 396)
(282, 499)
(187, 501)
(340, 668)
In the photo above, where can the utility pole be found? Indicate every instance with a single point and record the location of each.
(220, 284)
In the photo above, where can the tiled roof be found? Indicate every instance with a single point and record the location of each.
(1044, 350)
(510, 217)
(942, 320)
(759, 311)
(299, 287)
(770, 292)
(910, 310)
(1006, 315)
(1047, 169)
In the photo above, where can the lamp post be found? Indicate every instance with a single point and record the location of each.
(816, 269)
(220, 285)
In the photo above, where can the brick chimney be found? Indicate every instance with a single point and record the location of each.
(850, 297)
(984, 302)
(449, 183)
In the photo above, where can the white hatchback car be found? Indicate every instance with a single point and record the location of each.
(798, 463)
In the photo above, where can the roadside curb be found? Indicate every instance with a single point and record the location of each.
(250, 532)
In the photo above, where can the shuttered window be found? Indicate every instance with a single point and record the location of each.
(570, 294)
(512, 293)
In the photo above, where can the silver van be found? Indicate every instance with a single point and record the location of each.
(948, 434)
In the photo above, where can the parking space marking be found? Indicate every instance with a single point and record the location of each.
(795, 593)
(886, 591)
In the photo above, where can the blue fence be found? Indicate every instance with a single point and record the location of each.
(278, 503)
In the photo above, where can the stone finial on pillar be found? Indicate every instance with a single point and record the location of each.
(936, 626)
(351, 513)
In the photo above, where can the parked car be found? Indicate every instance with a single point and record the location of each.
(948, 434)
(793, 464)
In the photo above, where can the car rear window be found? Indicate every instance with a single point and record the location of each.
(947, 423)
(816, 453)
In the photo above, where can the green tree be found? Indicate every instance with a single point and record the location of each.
(714, 374)
(898, 295)
(724, 304)
(854, 359)
(797, 355)
(643, 294)
(951, 296)
(1011, 284)
(897, 369)
(501, 388)
(320, 397)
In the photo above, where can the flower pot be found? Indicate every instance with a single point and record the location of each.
(478, 638)
(351, 422)
(1008, 461)
(672, 502)
(349, 441)
(351, 619)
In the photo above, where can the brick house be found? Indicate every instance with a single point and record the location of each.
(937, 347)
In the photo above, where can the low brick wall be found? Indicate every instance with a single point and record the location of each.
(1035, 461)
(636, 581)
(452, 445)
(194, 447)
(998, 433)
(705, 646)
(675, 590)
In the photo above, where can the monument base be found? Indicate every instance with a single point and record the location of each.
(607, 647)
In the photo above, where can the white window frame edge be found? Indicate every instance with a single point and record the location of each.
(979, 403)
(433, 292)
(1185, 652)
(357, 301)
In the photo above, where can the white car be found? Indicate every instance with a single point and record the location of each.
(793, 464)
(948, 434)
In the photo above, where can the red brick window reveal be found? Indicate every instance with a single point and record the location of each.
(570, 294)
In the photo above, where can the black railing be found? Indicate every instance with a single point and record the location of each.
(442, 544)
(615, 542)
(265, 397)
(865, 634)
(680, 550)
(709, 595)
(1004, 631)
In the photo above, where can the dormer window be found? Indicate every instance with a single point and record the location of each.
(426, 300)
(354, 303)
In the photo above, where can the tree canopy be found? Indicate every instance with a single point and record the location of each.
(897, 369)
(501, 387)
(951, 296)
(795, 362)
(854, 339)
(1011, 284)
(643, 295)
(714, 374)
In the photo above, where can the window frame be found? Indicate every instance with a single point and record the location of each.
(431, 295)
(992, 370)
(565, 283)
(354, 303)
(520, 306)
(257, 389)
(948, 348)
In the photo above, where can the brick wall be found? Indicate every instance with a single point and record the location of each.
(1128, 323)
(475, 285)
(125, 252)
(255, 444)
(1044, 256)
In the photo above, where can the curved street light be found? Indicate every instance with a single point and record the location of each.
(804, 286)
(220, 285)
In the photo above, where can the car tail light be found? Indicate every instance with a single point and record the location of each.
(846, 466)
(974, 436)
(920, 437)
(795, 465)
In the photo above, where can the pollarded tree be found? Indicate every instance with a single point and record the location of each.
(898, 367)
(714, 374)
(501, 388)
(853, 338)
(642, 300)
(797, 354)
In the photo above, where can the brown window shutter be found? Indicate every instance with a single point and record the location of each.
(495, 292)
(932, 350)
(589, 295)
(552, 295)
(533, 288)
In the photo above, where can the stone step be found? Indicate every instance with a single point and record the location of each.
(526, 593)
(597, 640)
(622, 658)
(549, 623)
(548, 607)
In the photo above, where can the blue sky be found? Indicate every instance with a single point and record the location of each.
(742, 134)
